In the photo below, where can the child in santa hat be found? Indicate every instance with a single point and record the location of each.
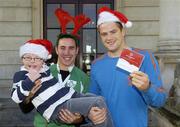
(52, 95)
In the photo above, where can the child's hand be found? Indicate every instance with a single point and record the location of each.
(33, 74)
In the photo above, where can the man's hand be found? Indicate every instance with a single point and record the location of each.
(35, 88)
(70, 118)
(140, 80)
(97, 115)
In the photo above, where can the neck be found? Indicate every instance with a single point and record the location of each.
(62, 67)
(65, 68)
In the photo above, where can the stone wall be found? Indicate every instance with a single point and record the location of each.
(16, 27)
(145, 17)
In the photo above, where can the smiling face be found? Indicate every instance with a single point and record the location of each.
(67, 52)
(32, 61)
(112, 37)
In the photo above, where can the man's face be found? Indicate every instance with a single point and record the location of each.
(67, 52)
(112, 37)
(32, 61)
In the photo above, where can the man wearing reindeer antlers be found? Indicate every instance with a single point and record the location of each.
(67, 49)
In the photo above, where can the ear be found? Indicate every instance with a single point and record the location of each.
(21, 60)
(77, 50)
(124, 32)
(56, 49)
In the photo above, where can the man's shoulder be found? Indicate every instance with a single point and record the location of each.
(79, 71)
(143, 51)
(53, 70)
(53, 66)
(99, 59)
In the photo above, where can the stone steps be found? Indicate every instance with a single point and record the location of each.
(15, 125)
(11, 115)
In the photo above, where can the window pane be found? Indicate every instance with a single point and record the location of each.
(51, 18)
(101, 5)
(52, 35)
(89, 41)
(100, 46)
(70, 8)
(90, 11)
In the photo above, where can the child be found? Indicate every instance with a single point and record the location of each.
(52, 96)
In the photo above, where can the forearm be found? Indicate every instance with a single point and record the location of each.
(155, 96)
(26, 107)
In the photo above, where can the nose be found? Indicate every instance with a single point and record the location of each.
(109, 37)
(32, 60)
(67, 51)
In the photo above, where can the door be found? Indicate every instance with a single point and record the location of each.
(90, 43)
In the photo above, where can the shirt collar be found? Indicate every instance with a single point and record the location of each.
(69, 68)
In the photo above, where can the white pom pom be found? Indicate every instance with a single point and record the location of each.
(128, 24)
(49, 56)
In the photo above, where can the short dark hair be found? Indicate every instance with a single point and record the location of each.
(60, 36)
(119, 25)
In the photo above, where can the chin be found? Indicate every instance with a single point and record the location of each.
(68, 63)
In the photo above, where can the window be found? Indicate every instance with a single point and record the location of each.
(90, 45)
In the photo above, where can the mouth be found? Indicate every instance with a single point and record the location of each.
(32, 66)
(67, 58)
(110, 43)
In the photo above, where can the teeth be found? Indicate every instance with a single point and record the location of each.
(110, 42)
(67, 58)
(31, 66)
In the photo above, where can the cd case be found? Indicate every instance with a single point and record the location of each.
(130, 60)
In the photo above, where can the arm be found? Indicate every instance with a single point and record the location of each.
(149, 82)
(93, 87)
(21, 88)
(26, 106)
(96, 115)
(23, 83)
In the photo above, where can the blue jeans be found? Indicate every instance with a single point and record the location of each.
(82, 103)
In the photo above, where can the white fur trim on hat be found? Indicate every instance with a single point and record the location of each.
(106, 17)
(36, 49)
(128, 24)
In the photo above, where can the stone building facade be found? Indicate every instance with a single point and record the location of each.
(156, 27)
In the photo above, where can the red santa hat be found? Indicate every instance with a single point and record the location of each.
(40, 47)
(108, 15)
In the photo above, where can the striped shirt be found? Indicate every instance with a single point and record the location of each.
(50, 95)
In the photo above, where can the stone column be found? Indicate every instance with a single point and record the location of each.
(169, 35)
(169, 38)
(169, 47)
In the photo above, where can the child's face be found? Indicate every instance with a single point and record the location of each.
(32, 61)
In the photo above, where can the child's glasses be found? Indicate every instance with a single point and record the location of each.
(36, 59)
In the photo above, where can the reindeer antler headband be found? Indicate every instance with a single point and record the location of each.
(64, 18)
